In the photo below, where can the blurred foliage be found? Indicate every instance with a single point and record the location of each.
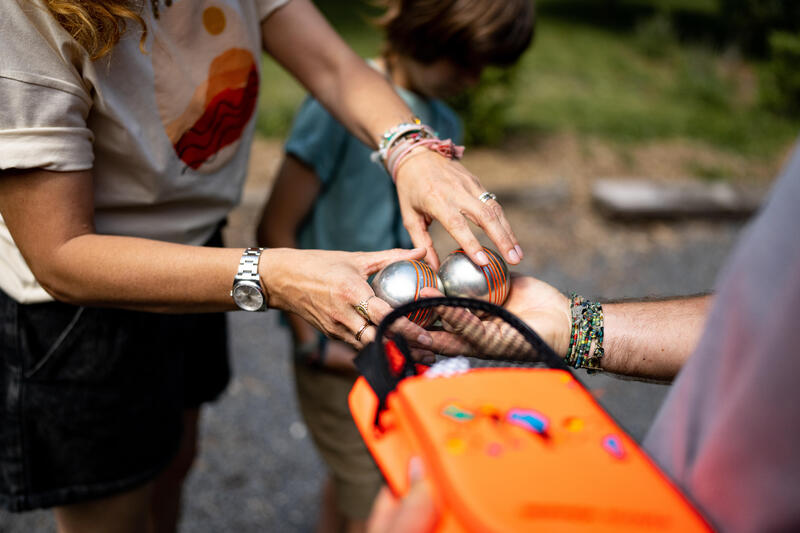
(485, 108)
(751, 22)
(655, 36)
(701, 80)
(781, 76)
(626, 70)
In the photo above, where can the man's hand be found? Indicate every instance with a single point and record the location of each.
(538, 304)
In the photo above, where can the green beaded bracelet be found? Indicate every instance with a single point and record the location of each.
(586, 337)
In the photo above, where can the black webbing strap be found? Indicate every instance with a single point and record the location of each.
(373, 363)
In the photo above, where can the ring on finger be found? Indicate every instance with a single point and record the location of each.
(361, 331)
(363, 308)
(486, 196)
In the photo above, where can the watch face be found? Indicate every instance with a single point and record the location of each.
(248, 297)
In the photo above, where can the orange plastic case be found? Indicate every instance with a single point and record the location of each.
(510, 449)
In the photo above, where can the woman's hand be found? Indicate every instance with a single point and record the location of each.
(432, 187)
(538, 304)
(324, 287)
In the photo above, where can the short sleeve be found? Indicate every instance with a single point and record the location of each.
(44, 103)
(267, 7)
(316, 139)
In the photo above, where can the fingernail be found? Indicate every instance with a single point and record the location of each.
(519, 251)
(513, 256)
(427, 340)
(482, 258)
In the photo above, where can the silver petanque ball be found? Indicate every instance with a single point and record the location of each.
(401, 282)
(463, 278)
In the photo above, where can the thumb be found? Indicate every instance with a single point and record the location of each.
(374, 261)
(414, 513)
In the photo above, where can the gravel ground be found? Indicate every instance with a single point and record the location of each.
(258, 470)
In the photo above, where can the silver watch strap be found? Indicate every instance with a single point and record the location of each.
(248, 266)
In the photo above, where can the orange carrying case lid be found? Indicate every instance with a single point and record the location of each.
(513, 449)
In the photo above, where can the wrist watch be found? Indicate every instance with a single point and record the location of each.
(247, 292)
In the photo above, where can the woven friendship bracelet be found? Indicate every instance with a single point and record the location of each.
(394, 135)
(586, 338)
(445, 148)
(401, 140)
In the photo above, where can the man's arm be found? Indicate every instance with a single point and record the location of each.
(652, 339)
(649, 340)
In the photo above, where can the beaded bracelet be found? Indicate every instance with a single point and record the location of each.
(393, 135)
(586, 338)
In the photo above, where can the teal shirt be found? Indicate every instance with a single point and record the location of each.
(357, 207)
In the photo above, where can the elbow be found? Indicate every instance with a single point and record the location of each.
(61, 286)
(60, 291)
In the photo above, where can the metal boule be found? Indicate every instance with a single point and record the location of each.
(463, 278)
(402, 281)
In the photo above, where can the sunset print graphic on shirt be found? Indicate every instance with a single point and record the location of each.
(206, 106)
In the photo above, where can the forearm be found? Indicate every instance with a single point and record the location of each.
(140, 274)
(364, 101)
(358, 96)
(652, 339)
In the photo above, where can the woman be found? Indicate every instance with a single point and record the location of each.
(125, 136)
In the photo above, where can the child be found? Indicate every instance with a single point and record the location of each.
(329, 195)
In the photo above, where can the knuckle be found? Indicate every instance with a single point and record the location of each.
(455, 221)
(486, 213)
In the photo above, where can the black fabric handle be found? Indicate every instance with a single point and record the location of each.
(373, 364)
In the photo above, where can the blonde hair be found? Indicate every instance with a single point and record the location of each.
(98, 25)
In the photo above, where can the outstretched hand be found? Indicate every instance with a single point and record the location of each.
(431, 187)
(543, 308)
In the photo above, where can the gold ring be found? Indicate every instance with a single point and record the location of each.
(361, 331)
(363, 308)
(486, 196)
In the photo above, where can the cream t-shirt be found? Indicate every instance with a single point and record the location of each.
(167, 133)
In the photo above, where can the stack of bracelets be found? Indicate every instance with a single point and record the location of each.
(400, 141)
(586, 338)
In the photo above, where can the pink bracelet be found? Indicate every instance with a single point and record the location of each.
(396, 134)
(446, 148)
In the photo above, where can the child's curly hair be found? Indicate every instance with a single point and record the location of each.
(97, 25)
(469, 32)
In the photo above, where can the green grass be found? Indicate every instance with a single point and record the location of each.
(599, 82)
(596, 82)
